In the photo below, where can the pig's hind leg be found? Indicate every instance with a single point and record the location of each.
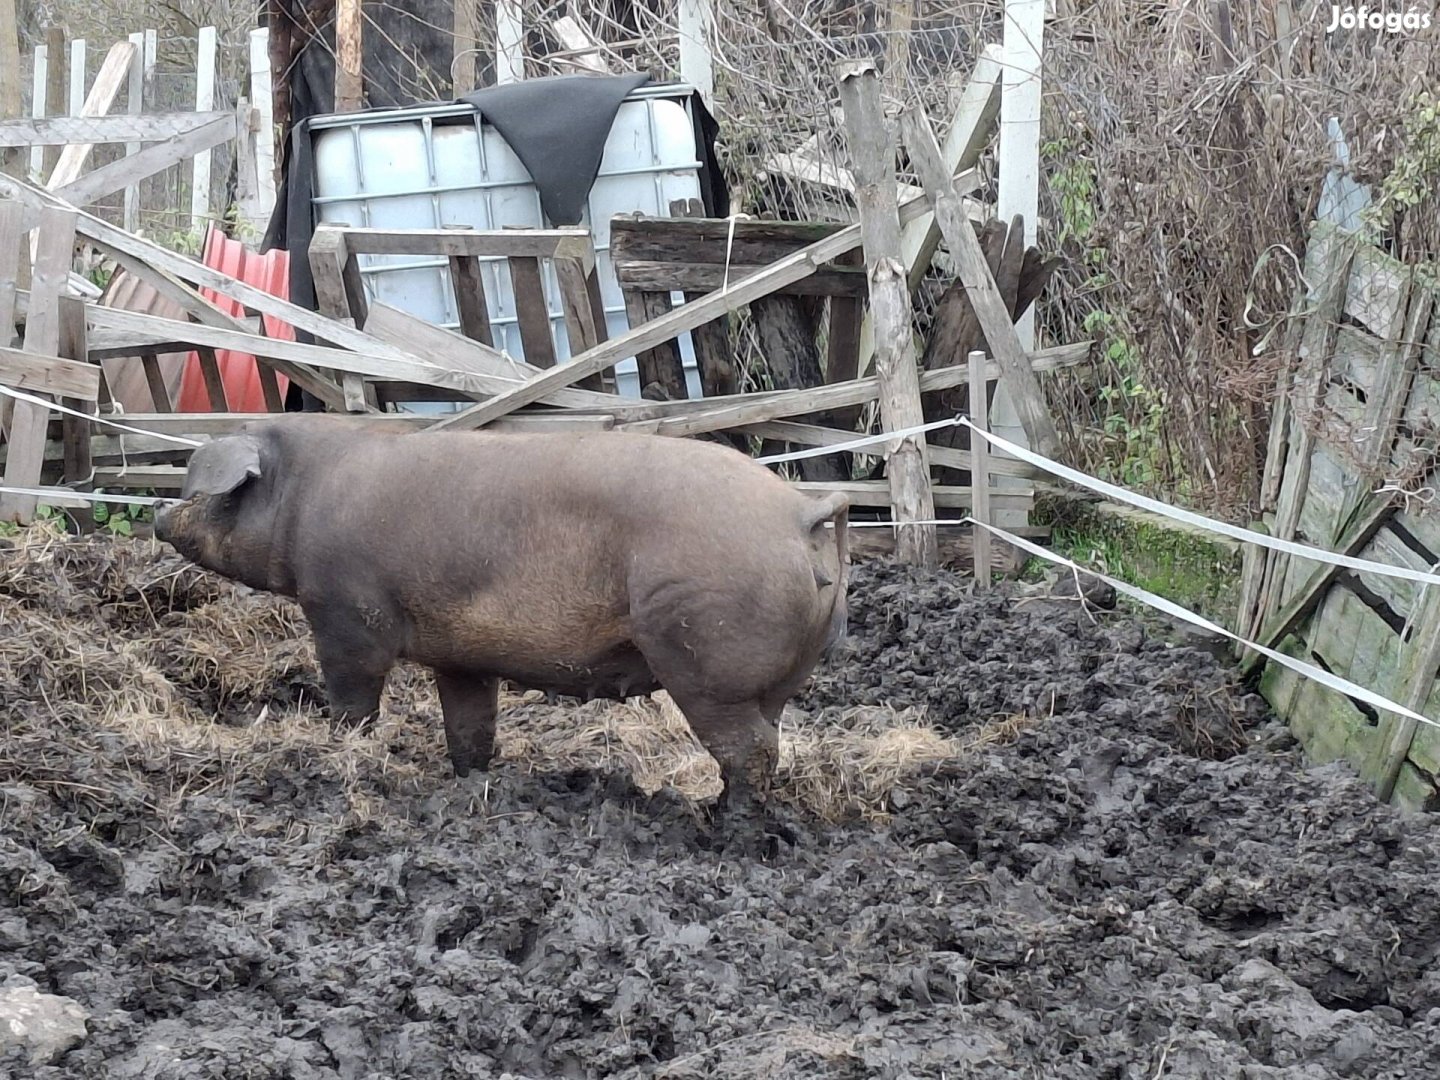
(469, 704)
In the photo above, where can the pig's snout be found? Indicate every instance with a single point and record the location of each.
(164, 517)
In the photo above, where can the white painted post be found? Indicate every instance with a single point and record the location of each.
(77, 76)
(204, 102)
(509, 42)
(1019, 184)
(135, 105)
(40, 78)
(262, 96)
(697, 66)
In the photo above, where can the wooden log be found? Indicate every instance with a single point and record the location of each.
(25, 459)
(990, 307)
(129, 171)
(979, 470)
(872, 161)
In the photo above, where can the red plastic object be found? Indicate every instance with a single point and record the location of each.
(238, 370)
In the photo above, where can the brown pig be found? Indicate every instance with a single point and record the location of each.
(597, 565)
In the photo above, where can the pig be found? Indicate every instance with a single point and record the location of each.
(584, 564)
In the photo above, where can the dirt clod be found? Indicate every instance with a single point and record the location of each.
(1034, 841)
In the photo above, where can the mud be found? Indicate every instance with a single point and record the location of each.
(1120, 868)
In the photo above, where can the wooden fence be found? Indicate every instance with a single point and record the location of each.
(1351, 468)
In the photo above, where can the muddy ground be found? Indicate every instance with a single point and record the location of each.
(1034, 842)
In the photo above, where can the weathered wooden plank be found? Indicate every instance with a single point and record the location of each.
(468, 285)
(872, 162)
(49, 375)
(214, 382)
(1399, 593)
(25, 459)
(457, 242)
(705, 277)
(155, 380)
(660, 370)
(128, 171)
(1376, 292)
(979, 468)
(1330, 490)
(1414, 682)
(1327, 261)
(75, 432)
(102, 95)
(719, 414)
(877, 493)
(349, 53)
(989, 306)
(1414, 791)
(1357, 357)
(1386, 404)
(1309, 590)
(68, 130)
(11, 232)
(640, 239)
(532, 311)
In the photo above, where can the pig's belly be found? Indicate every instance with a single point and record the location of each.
(598, 662)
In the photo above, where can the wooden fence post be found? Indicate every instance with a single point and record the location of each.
(39, 87)
(204, 102)
(135, 106)
(509, 41)
(56, 68)
(872, 162)
(697, 66)
(77, 77)
(980, 470)
(262, 95)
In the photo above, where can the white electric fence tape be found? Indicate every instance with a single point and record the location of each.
(20, 395)
(83, 496)
(868, 440)
(1119, 494)
(1310, 671)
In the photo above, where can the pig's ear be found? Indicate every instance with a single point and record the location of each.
(221, 466)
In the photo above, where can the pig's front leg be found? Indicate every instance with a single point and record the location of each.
(355, 661)
(469, 704)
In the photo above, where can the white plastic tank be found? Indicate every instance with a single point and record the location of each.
(427, 167)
